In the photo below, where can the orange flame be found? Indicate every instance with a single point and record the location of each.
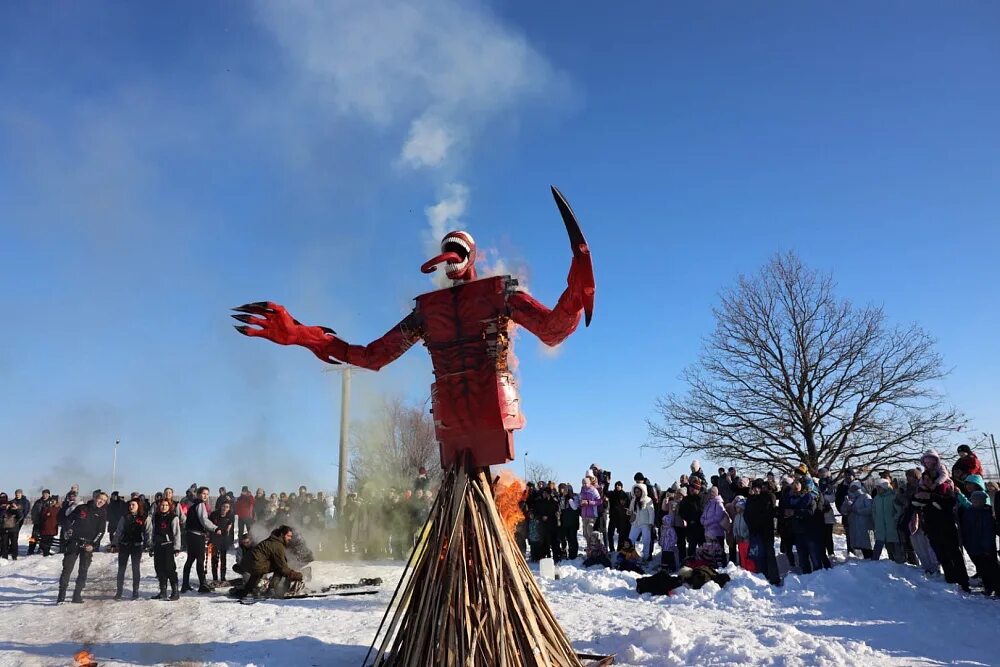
(508, 495)
(84, 658)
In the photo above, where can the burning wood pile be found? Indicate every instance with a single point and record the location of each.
(467, 596)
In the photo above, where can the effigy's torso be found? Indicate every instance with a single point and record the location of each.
(474, 396)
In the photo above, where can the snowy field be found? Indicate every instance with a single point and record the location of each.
(858, 613)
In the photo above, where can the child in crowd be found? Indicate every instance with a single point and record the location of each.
(627, 559)
(596, 553)
(669, 558)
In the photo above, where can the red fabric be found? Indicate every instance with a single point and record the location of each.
(968, 465)
(743, 548)
(244, 507)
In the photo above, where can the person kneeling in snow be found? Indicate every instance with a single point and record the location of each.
(269, 557)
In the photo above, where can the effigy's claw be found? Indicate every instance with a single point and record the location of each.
(581, 253)
(329, 330)
(249, 319)
(242, 329)
(576, 239)
(255, 308)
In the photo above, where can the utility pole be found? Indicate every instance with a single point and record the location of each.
(996, 462)
(114, 468)
(345, 405)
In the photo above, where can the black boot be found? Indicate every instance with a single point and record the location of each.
(118, 595)
(162, 595)
(62, 596)
(174, 595)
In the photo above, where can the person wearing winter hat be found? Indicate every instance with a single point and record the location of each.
(967, 464)
(885, 517)
(697, 472)
(690, 509)
(935, 499)
(980, 541)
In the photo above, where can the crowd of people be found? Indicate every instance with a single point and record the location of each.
(924, 516)
(207, 530)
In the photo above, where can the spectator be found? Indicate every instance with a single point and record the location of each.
(885, 517)
(967, 464)
(48, 525)
(36, 512)
(569, 521)
(714, 518)
(760, 515)
(163, 533)
(697, 472)
(858, 508)
(244, 510)
(690, 508)
(10, 521)
(84, 530)
(618, 519)
(129, 540)
(642, 516)
(222, 539)
(596, 553)
(197, 528)
(669, 557)
(979, 538)
(935, 500)
(590, 504)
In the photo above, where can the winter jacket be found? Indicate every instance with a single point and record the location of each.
(668, 534)
(36, 510)
(759, 515)
(860, 526)
(162, 529)
(617, 506)
(268, 556)
(978, 535)
(244, 507)
(48, 521)
(569, 512)
(592, 508)
(885, 516)
(963, 499)
(965, 466)
(690, 509)
(643, 511)
(225, 524)
(197, 519)
(725, 489)
(23, 507)
(713, 516)
(129, 532)
(10, 516)
(803, 507)
(87, 524)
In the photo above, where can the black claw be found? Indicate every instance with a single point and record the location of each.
(249, 319)
(576, 238)
(255, 308)
(243, 330)
(329, 330)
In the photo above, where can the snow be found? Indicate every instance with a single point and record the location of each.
(858, 613)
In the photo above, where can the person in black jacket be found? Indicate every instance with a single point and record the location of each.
(759, 515)
(128, 540)
(10, 522)
(163, 534)
(618, 523)
(197, 529)
(84, 529)
(221, 542)
(36, 513)
(690, 509)
(546, 509)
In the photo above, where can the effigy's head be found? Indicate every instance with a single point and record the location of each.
(458, 254)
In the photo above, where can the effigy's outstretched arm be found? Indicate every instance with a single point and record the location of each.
(554, 326)
(273, 322)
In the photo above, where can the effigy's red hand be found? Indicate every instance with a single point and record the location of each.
(265, 319)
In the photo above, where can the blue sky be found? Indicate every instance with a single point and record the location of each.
(159, 165)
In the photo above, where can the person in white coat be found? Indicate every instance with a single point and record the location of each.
(642, 515)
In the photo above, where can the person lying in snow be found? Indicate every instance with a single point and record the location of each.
(596, 553)
(663, 583)
(627, 559)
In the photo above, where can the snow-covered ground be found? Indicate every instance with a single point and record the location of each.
(859, 613)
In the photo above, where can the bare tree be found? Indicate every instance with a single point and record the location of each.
(389, 447)
(792, 374)
(537, 471)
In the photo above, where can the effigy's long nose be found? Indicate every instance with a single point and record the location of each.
(444, 258)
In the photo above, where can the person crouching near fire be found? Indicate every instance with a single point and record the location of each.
(268, 557)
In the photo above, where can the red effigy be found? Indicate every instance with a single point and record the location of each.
(466, 329)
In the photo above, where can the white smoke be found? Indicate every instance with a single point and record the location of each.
(438, 73)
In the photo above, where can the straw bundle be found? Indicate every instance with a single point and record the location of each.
(470, 599)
